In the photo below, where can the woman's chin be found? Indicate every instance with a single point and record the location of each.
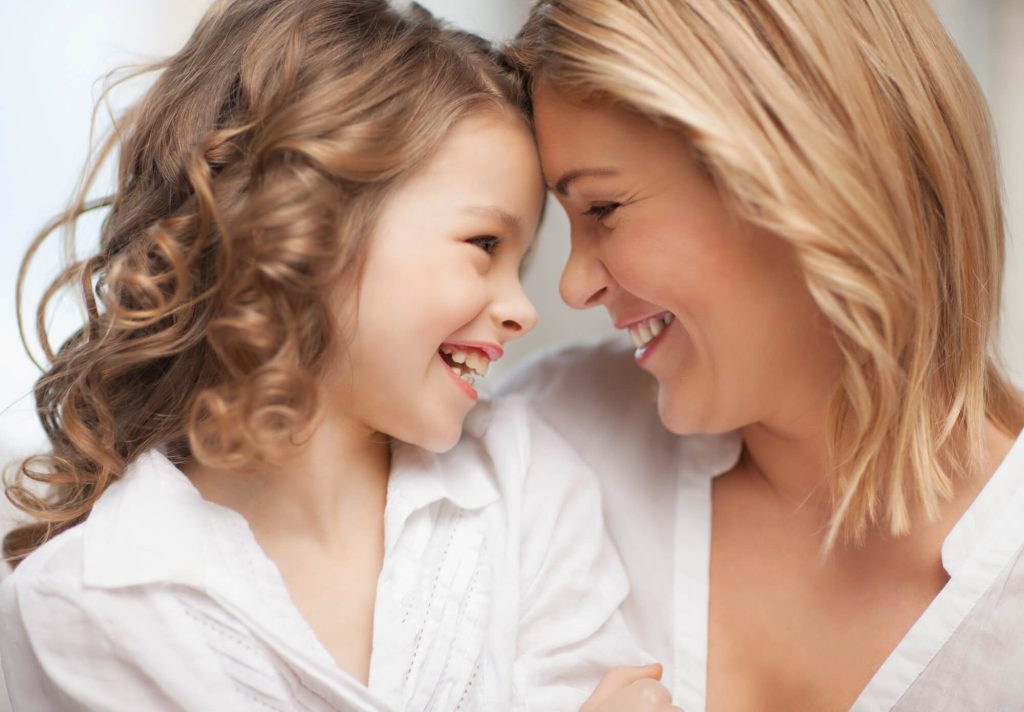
(679, 414)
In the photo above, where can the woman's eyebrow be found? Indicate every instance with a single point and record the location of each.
(562, 184)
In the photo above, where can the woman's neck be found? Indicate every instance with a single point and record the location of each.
(790, 455)
(790, 461)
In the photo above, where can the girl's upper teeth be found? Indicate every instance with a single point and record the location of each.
(472, 360)
(645, 331)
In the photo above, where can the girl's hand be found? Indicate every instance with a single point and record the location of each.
(631, 689)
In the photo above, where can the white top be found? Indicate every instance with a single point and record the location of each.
(966, 652)
(498, 591)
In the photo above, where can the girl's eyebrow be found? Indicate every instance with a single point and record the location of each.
(562, 184)
(510, 221)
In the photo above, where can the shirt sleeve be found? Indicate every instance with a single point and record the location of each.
(72, 648)
(573, 583)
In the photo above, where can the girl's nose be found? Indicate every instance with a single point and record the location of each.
(515, 311)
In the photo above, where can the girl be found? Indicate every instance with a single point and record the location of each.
(253, 499)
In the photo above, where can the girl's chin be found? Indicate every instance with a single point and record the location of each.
(438, 440)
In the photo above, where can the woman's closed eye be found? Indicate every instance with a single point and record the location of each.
(487, 243)
(599, 211)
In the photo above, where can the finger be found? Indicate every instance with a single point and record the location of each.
(628, 674)
(651, 692)
(618, 678)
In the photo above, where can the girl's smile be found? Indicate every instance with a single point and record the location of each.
(467, 362)
(440, 292)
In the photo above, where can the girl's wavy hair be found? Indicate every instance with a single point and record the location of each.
(855, 131)
(249, 177)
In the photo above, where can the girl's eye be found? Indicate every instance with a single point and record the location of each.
(487, 243)
(599, 211)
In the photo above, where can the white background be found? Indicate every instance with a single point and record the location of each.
(53, 54)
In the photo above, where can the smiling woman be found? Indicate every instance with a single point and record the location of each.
(795, 211)
(653, 243)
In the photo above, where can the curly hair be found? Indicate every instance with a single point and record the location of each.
(249, 177)
(855, 131)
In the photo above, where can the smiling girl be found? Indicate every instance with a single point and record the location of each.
(259, 493)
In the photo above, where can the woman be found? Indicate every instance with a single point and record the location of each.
(793, 208)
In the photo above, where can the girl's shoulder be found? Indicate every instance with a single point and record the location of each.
(142, 529)
(56, 565)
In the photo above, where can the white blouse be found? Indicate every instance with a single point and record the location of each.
(499, 590)
(965, 653)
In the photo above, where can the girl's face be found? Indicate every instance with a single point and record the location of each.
(440, 293)
(718, 308)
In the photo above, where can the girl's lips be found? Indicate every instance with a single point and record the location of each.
(467, 389)
(492, 351)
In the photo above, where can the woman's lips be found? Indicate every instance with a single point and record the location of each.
(643, 354)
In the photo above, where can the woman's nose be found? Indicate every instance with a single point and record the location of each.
(585, 280)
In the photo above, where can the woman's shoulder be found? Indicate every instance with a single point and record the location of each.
(509, 433)
(595, 373)
(595, 396)
(502, 439)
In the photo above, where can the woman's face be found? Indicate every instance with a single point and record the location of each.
(717, 307)
(440, 292)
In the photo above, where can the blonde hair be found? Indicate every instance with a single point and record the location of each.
(249, 179)
(855, 131)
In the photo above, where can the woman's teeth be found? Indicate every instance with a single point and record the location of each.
(644, 332)
(467, 365)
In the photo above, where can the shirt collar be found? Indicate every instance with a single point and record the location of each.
(709, 455)
(994, 512)
(151, 525)
(420, 478)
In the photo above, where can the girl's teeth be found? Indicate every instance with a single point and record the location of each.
(656, 326)
(475, 364)
(637, 341)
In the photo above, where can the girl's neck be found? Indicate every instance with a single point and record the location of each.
(334, 481)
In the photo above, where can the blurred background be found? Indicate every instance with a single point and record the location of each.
(54, 55)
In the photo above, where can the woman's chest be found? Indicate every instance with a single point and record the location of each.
(790, 630)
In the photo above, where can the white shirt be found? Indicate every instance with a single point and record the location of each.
(966, 652)
(498, 591)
